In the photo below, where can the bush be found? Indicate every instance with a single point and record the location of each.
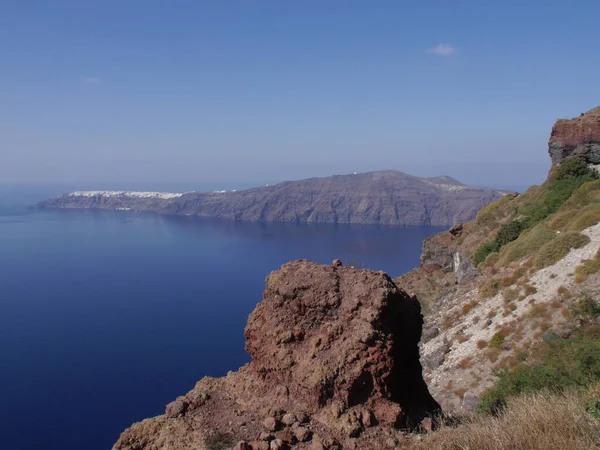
(556, 249)
(497, 340)
(509, 232)
(482, 252)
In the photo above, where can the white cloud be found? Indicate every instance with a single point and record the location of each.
(92, 80)
(442, 50)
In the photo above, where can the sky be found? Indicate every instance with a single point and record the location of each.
(122, 91)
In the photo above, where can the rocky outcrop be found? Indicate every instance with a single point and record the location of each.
(576, 137)
(385, 198)
(335, 362)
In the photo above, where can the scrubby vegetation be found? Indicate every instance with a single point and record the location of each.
(561, 363)
(568, 202)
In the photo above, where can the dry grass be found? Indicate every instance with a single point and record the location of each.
(469, 306)
(541, 422)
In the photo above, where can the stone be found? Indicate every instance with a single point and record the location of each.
(470, 401)
(337, 263)
(271, 424)
(242, 445)
(288, 419)
(175, 409)
(302, 417)
(259, 445)
(435, 358)
(277, 444)
(284, 435)
(302, 434)
(264, 436)
(427, 425)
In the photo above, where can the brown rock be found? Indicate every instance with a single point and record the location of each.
(427, 424)
(277, 444)
(337, 263)
(288, 419)
(302, 434)
(242, 445)
(264, 436)
(284, 435)
(342, 308)
(259, 445)
(271, 424)
(302, 417)
(175, 409)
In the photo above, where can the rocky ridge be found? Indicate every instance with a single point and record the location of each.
(385, 198)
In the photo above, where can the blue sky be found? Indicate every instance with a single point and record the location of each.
(210, 91)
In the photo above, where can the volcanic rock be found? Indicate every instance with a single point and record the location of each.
(357, 367)
(576, 137)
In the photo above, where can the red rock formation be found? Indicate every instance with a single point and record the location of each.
(335, 362)
(576, 137)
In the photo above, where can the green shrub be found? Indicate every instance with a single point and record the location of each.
(482, 252)
(509, 232)
(556, 249)
(497, 340)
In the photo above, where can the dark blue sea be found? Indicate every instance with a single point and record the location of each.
(105, 317)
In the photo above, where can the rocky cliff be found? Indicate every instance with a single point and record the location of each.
(386, 198)
(335, 363)
(576, 137)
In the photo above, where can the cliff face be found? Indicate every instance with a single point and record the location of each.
(385, 198)
(576, 137)
(335, 362)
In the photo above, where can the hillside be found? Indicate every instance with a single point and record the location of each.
(385, 198)
(495, 290)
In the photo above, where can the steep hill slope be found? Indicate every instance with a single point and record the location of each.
(496, 288)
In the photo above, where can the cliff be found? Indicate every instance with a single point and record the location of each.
(385, 198)
(335, 363)
(576, 137)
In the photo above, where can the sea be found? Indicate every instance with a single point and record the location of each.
(105, 317)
